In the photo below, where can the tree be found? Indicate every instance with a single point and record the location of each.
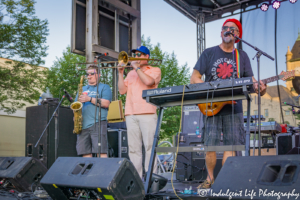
(22, 39)
(271, 120)
(171, 75)
(65, 75)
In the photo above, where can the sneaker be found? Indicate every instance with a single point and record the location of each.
(206, 184)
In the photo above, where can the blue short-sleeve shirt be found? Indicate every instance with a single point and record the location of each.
(88, 109)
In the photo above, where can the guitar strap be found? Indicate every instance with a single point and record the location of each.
(237, 59)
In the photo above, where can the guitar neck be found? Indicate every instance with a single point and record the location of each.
(272, 79)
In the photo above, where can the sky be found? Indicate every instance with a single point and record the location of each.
(176, 33)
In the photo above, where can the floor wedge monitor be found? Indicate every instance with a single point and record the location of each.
(93, 178)
(258, 177)
(22, 172)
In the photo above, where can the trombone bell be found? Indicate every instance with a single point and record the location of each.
(123, 58)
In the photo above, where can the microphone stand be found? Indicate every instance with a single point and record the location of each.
(257, 56)
(98, 57)
(55, 114)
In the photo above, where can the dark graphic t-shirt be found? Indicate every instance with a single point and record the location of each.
(216, 65)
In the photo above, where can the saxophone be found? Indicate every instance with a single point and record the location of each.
(77, 109)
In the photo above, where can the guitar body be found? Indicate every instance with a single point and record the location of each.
(214, 108)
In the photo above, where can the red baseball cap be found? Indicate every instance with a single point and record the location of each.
(239, 25)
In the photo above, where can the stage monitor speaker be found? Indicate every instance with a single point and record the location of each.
(37, 118)
(191, 119)
(258, 177)
(98, 178)
(22, 172)
(199, 170)
(118, 141)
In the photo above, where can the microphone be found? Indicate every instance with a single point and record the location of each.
(68, 96)
(286, 103)
(227, 33)
(293, 109)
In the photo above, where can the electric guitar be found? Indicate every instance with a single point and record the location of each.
(214, 108)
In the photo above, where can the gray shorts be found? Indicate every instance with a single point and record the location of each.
(233, 131)
(87, 140)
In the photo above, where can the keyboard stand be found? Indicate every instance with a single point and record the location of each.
(189, 102)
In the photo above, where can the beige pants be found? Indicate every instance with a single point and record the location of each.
(141, 128)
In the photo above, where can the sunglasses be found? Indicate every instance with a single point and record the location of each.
(224, 28)
(137, 54)
(90, 74)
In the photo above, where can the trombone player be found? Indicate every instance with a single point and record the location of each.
(140, 116)
(87, 140)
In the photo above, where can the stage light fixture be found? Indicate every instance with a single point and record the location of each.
(293, 1)
(276, 4)
(264, 7)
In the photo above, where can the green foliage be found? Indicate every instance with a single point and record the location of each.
(64, 75)
(286, 122)
(271, 119)
(172, 75)
(22, 35)
(22, 39)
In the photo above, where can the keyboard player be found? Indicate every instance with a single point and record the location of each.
(217, 63)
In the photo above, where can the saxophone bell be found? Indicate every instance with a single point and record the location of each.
(77, 109)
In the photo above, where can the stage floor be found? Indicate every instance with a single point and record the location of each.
(168, 193)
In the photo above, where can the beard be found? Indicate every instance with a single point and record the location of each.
(227, 39)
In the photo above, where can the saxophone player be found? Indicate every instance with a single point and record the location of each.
(87, 140)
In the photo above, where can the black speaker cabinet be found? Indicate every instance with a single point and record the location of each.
(261, 176)
(191, 165)
(191, 119)
(37, 118)
(118, 141)
(22, 172)
(284, 143)
(99, 178)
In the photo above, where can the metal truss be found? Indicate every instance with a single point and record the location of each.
(200, 23)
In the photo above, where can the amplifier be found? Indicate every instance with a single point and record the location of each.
(191, 119)
(118, 142)
(284, 143)
(37, 118)
(266, 127)
(191, 165)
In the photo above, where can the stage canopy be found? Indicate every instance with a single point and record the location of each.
(214, 9)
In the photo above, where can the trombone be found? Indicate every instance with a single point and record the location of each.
(123, 60)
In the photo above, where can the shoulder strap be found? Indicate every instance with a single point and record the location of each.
(237, 57)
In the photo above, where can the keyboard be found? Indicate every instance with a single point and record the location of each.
(224, 90)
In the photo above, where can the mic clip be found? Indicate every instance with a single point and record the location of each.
(214, 85)
(100, 55)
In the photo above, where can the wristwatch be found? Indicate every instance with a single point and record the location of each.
(91, 99)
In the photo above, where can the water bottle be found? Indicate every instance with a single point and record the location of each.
(40, 101)
(197, 131)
